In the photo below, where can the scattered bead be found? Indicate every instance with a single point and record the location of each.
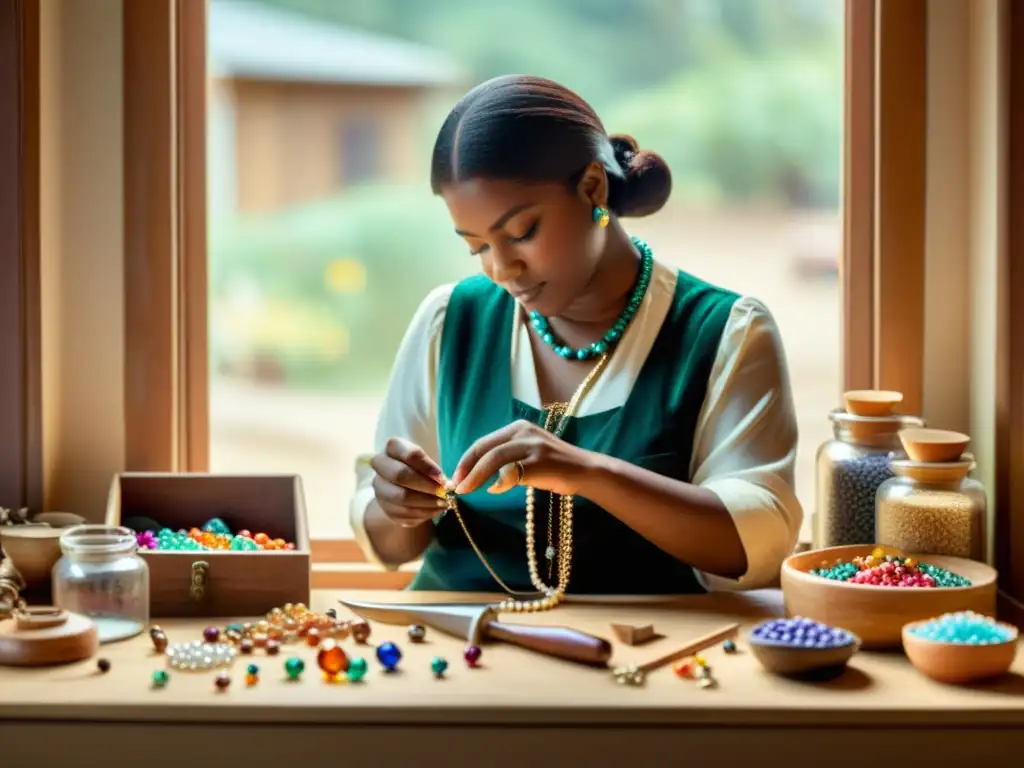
(211, 634)
(389, 655)
(313, 637)
(438, 666)
(160, 678)
(472, 655)
(700, 661)
(729, 646)
(801, 632)
(245, 645)
(103, 665)
(964, 628)
(252, 675)
(222, 681)
(416, 633)
(631, 675)
(685, 668)
(360, 631)
(273, 647)
(331, 613)
(356, 669)
(159, 639)
(332, 660)
(294, 667)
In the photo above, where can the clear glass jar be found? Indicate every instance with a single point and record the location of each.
(850, 468)
(933, 509)
(102, 576)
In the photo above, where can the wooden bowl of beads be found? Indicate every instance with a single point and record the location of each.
(872, 402)
(826, 654)
(956, 659)
(933, 446)
(877, 614)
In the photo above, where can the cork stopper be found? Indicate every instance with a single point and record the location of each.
(934, 446)
(945, 473)
(872, 402)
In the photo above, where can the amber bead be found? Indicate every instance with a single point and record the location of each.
(259, 639)
(159, 640)
(222, 681)
(290, 625)
(233, 637)
(273, 647)
(332, 659)
(245, 645)
(313, 638)
(275, 633)
(360, 631)
(262, 626)
(342, 629)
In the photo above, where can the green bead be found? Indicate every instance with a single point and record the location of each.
(216, 525)
(294, 667)
(160, 678)
(438, 666)
(356, 669)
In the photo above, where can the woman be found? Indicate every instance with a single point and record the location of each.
(673, 471)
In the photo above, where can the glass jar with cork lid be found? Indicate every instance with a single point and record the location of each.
(854, 463)
(932, 506)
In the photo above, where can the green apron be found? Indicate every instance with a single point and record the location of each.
(654, 429)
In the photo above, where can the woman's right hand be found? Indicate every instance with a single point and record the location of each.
(409, 485)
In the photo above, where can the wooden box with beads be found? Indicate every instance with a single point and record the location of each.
(216, 545)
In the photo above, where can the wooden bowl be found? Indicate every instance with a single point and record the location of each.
(877, 615)
(958, 663)
(872, 402)
(933, 446)
(33, 549)
(791, 661)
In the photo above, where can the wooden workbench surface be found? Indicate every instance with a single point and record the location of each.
(513, 687)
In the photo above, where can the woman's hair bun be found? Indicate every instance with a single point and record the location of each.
(646, 183)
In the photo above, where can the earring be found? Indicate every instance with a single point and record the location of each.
(601, 216)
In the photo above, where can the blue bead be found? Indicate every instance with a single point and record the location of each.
(549, 338)
(582, 354)
(388, 655)
(564, 351)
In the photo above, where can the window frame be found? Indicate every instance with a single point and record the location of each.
(167, 408)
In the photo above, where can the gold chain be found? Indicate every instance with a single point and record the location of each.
(557, 419)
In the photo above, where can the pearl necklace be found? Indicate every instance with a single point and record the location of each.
(198, 656)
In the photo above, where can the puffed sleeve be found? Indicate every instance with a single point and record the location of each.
(745, 444)
(409, 408)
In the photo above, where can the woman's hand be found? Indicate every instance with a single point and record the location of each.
(408, 484)
(547, 463)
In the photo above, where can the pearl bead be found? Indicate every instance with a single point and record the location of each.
(199, 656)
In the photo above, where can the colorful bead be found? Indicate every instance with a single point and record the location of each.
(614, 334)
(389, 655)
(330, 613)
(294, 667)
(159, 639)
(252, 675)
(332, 659)
(245, 645)
(160, 678)
(222, 681)
(472, 655)
(964, 628)
(685, 668)
(801, 632)
(199, 656)
(416, 633)
(211, 634)
(700, 661)
(273, 647)
(103, 665)
(729, 646)
(360, 631)
(313, 637)
(357, 668)
(438, 666)
(884, 570)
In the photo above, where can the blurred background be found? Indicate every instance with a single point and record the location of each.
(324, 236)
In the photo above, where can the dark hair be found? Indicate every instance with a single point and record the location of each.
(533, 130)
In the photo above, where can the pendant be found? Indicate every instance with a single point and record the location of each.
(549, 553)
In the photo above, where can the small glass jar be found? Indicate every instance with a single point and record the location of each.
(102, 576)
(933, 509)
(850, 468)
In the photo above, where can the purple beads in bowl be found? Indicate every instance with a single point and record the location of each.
(801, 633)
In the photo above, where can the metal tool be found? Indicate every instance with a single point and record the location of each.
(477, 623)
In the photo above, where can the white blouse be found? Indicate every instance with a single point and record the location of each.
(745, 442)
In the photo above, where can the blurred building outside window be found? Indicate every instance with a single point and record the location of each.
(321, 119)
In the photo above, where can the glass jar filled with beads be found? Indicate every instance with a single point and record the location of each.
(101, 576)
(853, 464)
(932, 505)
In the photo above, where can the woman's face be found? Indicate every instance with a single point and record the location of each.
(537, 241)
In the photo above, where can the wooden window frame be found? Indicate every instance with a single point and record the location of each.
(167, 408)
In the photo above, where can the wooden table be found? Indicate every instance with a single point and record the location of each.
(517, 709)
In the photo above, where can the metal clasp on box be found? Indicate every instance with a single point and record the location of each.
(200, 586)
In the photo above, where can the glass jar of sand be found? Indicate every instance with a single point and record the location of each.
(933, 509)
(853, 464)
(101, 576)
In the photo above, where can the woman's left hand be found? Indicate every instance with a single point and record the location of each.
(548, 462)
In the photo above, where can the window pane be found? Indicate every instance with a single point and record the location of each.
(325, 237)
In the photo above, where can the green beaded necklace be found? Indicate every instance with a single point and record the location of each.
(612, 336)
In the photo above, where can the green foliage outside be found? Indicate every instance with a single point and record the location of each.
(742, 97)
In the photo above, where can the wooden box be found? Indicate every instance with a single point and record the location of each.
(220, 583)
